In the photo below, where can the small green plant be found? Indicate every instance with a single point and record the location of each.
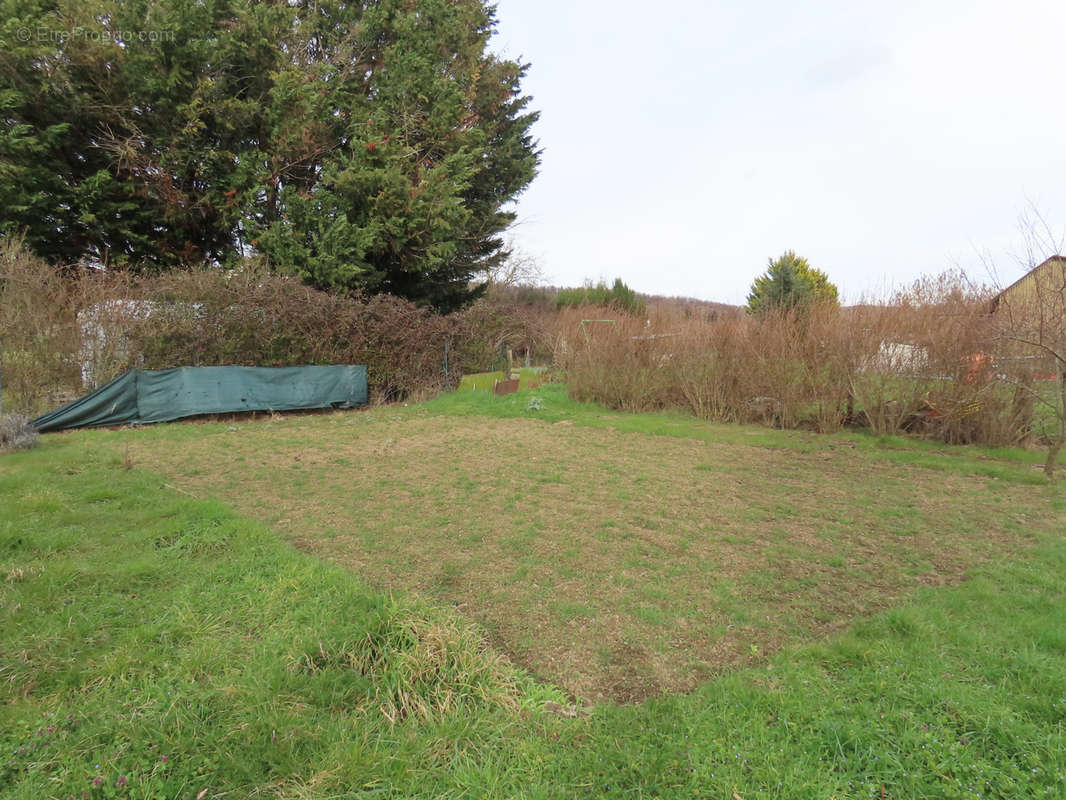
(535, 404)
(17, 433)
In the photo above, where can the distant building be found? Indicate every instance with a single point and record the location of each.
(898, 358)
(1030, 314)
(1035, 286)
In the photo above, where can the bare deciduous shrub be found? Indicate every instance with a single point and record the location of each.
(17, 433)
(928, 368)
(801, 359)
(783, 367)
(1028, 323)
(502, 321)
(614, 359)
(917, 364)
(713, 369)
(37, 339)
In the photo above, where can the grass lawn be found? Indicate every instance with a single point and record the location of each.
(616, 564)
(482, 381)
(160, 638)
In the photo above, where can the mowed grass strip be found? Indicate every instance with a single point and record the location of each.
(528, 377)
(156, 646)
(617, 564)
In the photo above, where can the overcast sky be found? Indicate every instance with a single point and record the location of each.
(685, 143)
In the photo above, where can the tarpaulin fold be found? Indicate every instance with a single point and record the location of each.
(141, 397)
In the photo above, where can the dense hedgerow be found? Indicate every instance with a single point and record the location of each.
(65, 331)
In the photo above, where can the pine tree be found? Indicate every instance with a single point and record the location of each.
(790, 282)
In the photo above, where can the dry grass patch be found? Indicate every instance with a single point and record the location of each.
(618, 565)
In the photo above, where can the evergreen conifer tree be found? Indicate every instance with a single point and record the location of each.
(790, 282)
(368, 145)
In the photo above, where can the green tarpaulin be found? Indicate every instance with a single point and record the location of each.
(145, 396)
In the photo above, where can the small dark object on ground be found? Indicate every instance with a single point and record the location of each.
(17, 433)
(505, 387)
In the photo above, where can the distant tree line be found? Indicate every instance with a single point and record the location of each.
(618, 296)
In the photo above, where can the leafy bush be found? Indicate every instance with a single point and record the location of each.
(17, 433)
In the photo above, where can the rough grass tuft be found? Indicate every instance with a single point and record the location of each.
(422, 664)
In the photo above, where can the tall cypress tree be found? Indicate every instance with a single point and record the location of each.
(371, 145)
